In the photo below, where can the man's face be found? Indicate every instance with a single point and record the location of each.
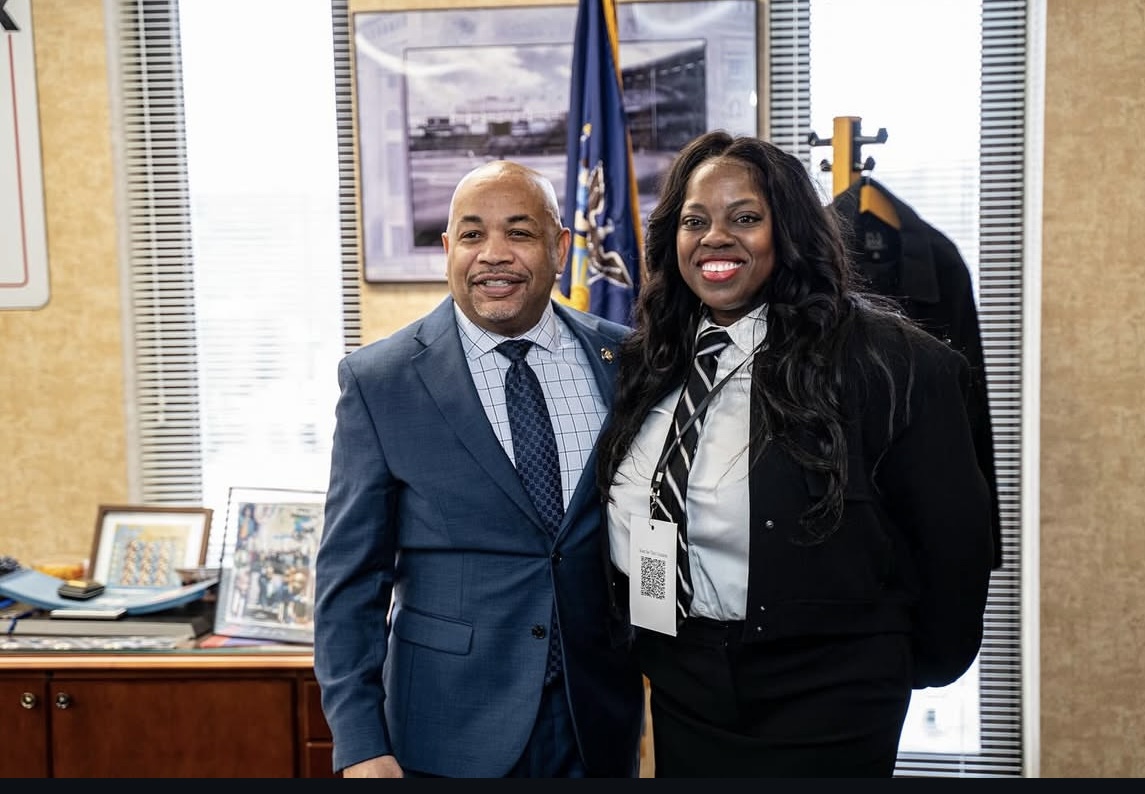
(504, 250)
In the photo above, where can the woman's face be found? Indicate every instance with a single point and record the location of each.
(724, 239)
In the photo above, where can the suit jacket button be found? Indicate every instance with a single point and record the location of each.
(769, 524)
(539, 631)
(556, 558)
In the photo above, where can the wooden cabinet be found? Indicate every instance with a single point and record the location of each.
(23, 726)
(191, 715)
(317, 755)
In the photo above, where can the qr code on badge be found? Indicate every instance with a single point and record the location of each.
(652, 572)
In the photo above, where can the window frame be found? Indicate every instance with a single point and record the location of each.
(1007, 267)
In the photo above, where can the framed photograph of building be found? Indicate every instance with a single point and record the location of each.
(145, 546)
(269, 548)
(438, 92)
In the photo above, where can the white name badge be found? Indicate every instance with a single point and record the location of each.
(652, 574)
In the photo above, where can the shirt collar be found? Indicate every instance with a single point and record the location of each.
(746, 333)
(476, 341)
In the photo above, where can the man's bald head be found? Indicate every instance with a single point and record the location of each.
(508, 169)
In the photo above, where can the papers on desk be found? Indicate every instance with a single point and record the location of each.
(40, 590)
(38, 644)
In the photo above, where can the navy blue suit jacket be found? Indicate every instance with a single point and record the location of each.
(426, 510)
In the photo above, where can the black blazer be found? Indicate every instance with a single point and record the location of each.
(913, 552)
(923, 271)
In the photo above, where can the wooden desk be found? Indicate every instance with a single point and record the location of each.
(195, 713)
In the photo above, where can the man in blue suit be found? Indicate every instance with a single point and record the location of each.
(439, 583)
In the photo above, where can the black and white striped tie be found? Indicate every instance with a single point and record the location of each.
(669, 501)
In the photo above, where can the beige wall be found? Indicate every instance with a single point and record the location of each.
(62, 446)
(62, 449)
(1093, 373)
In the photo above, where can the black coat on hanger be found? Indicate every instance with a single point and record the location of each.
(922, 269)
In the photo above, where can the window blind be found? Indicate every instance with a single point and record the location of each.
(160, 326)
(347, 178)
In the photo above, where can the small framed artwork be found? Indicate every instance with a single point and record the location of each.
(145, 546)
(269, 548)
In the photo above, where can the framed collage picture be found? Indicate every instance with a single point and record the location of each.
(267, 586)
(145, 546)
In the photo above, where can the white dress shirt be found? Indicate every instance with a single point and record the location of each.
(717, 497)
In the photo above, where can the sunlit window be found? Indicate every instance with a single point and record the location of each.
(913, 69)
(258, 79)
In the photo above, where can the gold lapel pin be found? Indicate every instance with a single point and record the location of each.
(606, 354)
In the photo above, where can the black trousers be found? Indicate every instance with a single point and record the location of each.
(807, 707)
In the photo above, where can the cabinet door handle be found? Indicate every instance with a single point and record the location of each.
(63, 700)
(28, 700)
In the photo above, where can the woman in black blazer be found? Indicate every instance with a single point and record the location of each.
(804, 545)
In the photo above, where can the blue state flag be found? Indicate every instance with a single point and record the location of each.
(602, 206)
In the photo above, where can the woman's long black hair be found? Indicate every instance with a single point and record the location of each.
(812, 309)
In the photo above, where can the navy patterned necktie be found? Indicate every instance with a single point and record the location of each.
(535, 453)
(534, 443)
(669, 504)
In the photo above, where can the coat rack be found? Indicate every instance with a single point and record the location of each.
(846, 141)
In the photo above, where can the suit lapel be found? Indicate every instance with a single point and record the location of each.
(438, 365)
